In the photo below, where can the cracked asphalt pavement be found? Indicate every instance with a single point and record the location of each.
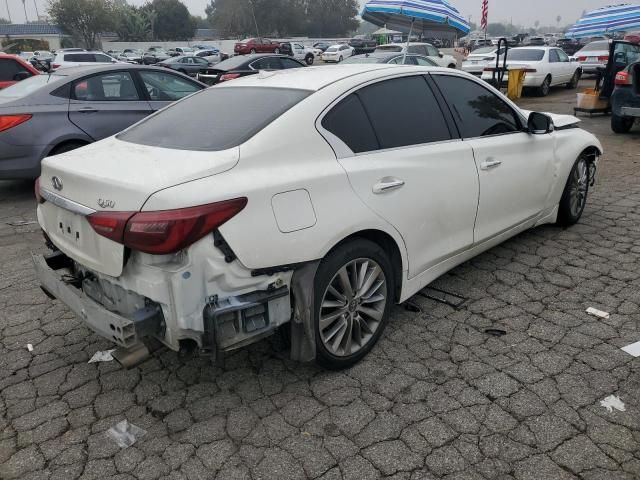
(438, 397)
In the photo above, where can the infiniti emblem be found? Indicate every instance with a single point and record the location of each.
(57, 183)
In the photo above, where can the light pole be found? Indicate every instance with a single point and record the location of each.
(253, 12)
(8, 11)
(24, 5)
(35, 4)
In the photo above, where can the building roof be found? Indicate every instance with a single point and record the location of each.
(23, 29)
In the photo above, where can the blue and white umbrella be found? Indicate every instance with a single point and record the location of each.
(419, 15)
(614, 18)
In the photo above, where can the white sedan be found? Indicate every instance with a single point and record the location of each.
(344, 191)
(479, 59)
(337, 53)
(546, 67)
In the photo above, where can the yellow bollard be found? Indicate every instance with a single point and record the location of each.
(516, 82)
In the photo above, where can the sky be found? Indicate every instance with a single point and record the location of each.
(522, 12)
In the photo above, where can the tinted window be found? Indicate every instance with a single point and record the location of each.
(404, 111)
(267, 63)
(525, 54)
(289, 63)
(594, 46)
(9, 68)
(389, 48)
(117, 86)
(553, 56)
(247, 110)
(79, 57)
(102, 58)
(348, 121)
(166, 87)
(477, 110)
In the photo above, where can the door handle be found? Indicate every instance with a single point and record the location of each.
(87, 110)
(489, 164)
(387, 184)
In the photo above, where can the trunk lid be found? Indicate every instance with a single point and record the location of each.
(113, 175)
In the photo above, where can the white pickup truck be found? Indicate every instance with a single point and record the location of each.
(300, 52)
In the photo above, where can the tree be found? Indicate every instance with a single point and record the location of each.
(4, 21)
(133, 24)
(558, 19)
(85, 19)
(537, 24)
(172, 20)
(331, 17)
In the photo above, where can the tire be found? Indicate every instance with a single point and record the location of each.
(276, 51)
(252, 51)
(576, 191)
(621, 124)
(340, 59)
(66, 147)
(452, 66)
(309, 60)
(573, 84)
(543, 90)
(338, 343)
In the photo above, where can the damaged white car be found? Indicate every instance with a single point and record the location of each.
(314, 197)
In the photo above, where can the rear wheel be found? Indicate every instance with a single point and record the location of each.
(353, 295)
(543, 90)
(252, 51)
(452, 66)
(574, 197)
(573, 84)
(66, 147)
(340, 59)
(621, 124)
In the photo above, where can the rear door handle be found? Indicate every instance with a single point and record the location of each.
(87, 110)
(489, 164)
(387, 184)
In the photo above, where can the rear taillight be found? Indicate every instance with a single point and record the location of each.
(582, 59)
(166, 231)
(603, 58)
(55, 65)
(623, 78)
(10, 121)
(110, 224)
(36, 190)
(229, 76)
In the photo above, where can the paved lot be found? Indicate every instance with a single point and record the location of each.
(437, 398)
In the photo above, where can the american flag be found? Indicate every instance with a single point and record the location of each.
(485, 14)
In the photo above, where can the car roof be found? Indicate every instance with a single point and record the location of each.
(87, 70)
(316, 78)
(535, 47)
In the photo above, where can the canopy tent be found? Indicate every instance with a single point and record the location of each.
(613, 18)
(385, 31)
(430, 17)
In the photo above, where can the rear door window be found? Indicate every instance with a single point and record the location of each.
(118, 86)
(167, 87)
(195, 123)
(553, 56)
(349, 122)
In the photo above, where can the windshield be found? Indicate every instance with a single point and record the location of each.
(247, 110)
(29, 85)
(595, 46)
(484, 50)
(525, 54)
(389, 48)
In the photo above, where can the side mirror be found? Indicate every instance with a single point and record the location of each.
(18, 77)
(540, 124)
(441, 55)
(573, 59)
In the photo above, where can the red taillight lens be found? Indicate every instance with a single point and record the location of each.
(165, 231)
(229, 76)
(55, 65)
(36, 190)
(582, 59)
(623, 78)
(603, 58)
(110, 224)
(10, 121)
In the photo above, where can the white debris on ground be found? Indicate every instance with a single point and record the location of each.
(597, 313)
(633, 349)
(29, 347)
(611, 402)
(103, 356)
(125, 434)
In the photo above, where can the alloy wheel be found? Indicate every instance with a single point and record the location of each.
(579, 186)
(352, 307)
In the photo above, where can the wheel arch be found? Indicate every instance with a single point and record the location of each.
(65, 141)
(389, 245)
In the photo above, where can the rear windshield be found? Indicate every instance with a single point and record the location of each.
(595, 46)
(526, 54)
(215, 119)
(484, 50)
(29, 85)
(389, 48)
(365, 59)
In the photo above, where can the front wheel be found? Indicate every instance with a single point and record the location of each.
(276, 51)
(574, 197)
(309, 59)
(353, 295)
(621, 124)
(573, 84)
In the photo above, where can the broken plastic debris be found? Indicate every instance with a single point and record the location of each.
(597, 313)
(125, 434)
(611, 402)
(22, 223)
(29, 347)
(104, 356)
(633, 349)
